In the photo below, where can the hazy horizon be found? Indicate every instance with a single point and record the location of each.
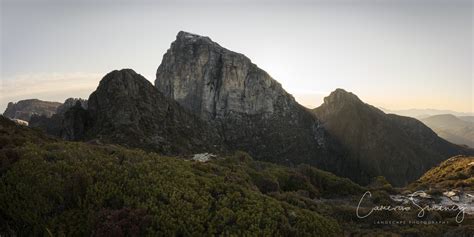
(392, 54)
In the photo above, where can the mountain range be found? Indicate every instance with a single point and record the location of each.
(423, 113)
(122, 161)
(207, 98)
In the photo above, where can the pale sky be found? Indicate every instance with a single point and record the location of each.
(396, 54)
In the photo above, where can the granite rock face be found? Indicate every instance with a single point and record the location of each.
(399, 148)
(127, 109)
(24, 109)
(213, 81)
(250, 109)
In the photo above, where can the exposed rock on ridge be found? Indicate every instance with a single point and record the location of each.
(69, 103)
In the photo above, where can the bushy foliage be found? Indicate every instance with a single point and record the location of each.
(455, 172)
(76, 189)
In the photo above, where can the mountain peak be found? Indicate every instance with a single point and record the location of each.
(124, 79)
(341, 97)
(125, 71)
(213, 81)
(190, 38)
(127, 109)
(187, 35)
(382, 141)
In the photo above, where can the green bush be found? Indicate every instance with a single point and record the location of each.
(76, 189)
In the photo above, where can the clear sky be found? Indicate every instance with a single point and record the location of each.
(396, 54)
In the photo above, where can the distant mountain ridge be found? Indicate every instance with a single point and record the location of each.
(24, 109)
(423, 113)
(452, 128)
(467, 118)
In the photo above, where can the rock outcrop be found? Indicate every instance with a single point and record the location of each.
(53, 125)
(215, 82)
(399, 148)
(69, 103)
(127, 109)
(251, 110)
(74, 123)
(20, 122)
(24, 109)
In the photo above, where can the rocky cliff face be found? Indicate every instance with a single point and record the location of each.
(127, 109)
(213, 81)
(399, 148)
(250, 109)
(24, 109)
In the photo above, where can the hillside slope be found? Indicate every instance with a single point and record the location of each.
(399, 148)
(75, 188)
(456, 172)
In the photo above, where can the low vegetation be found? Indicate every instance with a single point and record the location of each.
(52, 187)
(56, 188)
(456, 172)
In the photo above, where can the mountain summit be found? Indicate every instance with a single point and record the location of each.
(213, 82)
(340, 99)
(399, 148)
(127, 109)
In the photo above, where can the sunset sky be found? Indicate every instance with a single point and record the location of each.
(396, 54)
